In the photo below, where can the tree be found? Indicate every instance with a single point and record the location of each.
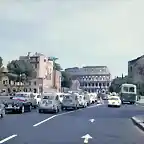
(66, 80)
(57, 66)
(20, 70)
(117, 82)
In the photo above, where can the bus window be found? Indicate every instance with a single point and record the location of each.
(131, 89)
(125, 89)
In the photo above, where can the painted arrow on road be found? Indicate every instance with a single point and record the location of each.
(92, 120)
(86, 138)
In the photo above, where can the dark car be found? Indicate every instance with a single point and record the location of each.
(17, 106)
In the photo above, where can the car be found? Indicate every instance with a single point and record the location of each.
(114, 101)
(2, 110)
(50, 103)
(82, 101)
(17, 106)
(26, 96)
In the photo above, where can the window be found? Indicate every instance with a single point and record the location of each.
(57, 98)
(38, 96)
(125, 89)
(100, 84)
(4, 82)
(131, 89)
(29, 83)
(103, 84)
(131, 68)
(34, 82)
(35, 65)
(107, 84)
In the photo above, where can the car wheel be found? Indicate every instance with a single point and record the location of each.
(76, 107)
(30, 108)
(22, 110)
(2, 114)
(40, 111)
(56, 110)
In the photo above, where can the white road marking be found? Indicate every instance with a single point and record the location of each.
(52, 117)
(94, 106)
(37, 124)
(8, 138)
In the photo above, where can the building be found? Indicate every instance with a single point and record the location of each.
(136, 73)
(91, 78)
(46, 77)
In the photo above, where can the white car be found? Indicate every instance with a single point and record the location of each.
(114, 101)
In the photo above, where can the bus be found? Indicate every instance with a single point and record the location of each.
(128, 93)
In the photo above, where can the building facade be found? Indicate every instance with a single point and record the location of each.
(91, 78)
(136, 73)
(46, 77)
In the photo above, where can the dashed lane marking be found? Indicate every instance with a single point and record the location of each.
(8, 138)
(52, 117)
(94, 106)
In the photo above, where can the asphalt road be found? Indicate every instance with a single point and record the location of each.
(111, 126)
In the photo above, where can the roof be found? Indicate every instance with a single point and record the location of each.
(128, 84)
(134, 60)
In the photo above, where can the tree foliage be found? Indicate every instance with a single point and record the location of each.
(20, 70)
(66, 80)
(57, 66)
(116, 84)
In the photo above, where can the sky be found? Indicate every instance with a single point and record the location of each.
(78, 32)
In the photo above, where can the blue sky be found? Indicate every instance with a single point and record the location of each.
(78, 32)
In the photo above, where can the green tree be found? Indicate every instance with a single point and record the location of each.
(57, 66)
(117, 82)
(66, 80)
(20, 70)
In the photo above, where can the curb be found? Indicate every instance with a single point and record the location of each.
(137, 122)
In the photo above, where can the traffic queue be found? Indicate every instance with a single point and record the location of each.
(47, 102)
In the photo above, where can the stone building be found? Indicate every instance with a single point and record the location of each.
(136, 73)
(91, 78)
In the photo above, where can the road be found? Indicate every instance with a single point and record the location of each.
(111, 125)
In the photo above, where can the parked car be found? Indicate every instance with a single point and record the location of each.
(50, 103)
(28, 97)
(2, 110)
(82, 101)
(17, 106)
(70, 100)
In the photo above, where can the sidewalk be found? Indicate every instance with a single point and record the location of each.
(141, 101)
(139, 121)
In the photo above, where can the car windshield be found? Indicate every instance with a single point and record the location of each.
(48, 97)
(113, 99)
